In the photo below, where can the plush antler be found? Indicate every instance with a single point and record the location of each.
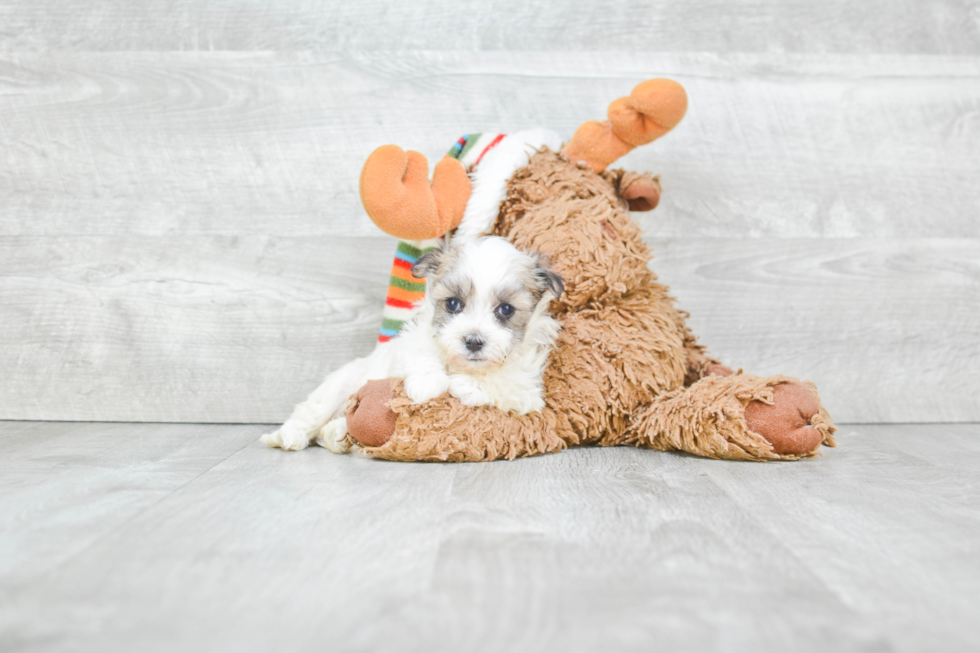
(651, 110)
(396, 193)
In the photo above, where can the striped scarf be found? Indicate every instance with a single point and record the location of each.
(404, 290)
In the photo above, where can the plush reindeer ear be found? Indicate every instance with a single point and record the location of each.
(429, 262)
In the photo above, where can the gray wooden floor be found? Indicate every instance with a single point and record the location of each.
(124, 537)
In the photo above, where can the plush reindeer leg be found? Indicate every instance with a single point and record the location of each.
(386, 424)
(736, 417)
(396, 193)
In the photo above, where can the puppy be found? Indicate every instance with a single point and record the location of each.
(482, 332)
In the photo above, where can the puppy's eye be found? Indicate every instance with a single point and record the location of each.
(453, 305)
(505, 310)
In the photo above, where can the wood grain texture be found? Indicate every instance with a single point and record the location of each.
(886, 328)
(206, 328)
(181, 236)
(238, 329)
(927, 27)
(107, 474)
(272, 143)
(164, 537)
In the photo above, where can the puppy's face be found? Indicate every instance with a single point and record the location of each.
(482, 294)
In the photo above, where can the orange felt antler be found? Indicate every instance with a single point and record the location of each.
(651, 110)
(396, 193)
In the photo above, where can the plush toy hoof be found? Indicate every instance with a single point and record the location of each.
(371, 422)
(786, 422)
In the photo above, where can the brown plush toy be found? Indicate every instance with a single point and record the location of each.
(626, 370)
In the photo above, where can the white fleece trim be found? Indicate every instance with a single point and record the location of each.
(476, 148)
(489, 180)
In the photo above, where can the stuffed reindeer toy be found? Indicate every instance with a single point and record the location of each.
(620, 366)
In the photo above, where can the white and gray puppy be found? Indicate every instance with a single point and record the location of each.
(482, 332)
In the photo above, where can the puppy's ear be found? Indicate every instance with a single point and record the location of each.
(548, 280)
(429, 262)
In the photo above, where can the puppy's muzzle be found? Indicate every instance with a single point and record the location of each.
(473, 342)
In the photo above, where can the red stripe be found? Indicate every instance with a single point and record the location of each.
(403, 264)
(489, 147)
(398, 303)
(384, 338)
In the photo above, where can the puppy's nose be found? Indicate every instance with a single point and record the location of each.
(473, 342)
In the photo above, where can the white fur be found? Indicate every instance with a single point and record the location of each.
(432, 361)
(333, 436)
(489, 180)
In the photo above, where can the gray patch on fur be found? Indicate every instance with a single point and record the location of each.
(550, 280)
(535, 280)
(436, 262)
(540, 279)
(546, 278)
(523, 299)
(454, 285)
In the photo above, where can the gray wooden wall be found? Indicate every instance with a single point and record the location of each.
(181, 238)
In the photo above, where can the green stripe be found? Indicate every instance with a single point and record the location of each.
(389, 323)
(412, 250)
(471, 140)
(411, 286)
(409, 250)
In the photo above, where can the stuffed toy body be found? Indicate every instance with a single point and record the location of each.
(626, 369)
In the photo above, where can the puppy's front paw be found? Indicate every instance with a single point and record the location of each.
(333, 436)
(271, 439)
(422, 387)
(288, 437)
(468, 391)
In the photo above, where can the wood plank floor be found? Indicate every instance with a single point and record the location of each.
(123, 537)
